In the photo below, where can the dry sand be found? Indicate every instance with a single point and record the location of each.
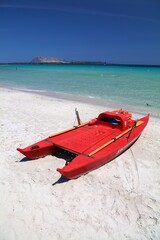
(120, 200)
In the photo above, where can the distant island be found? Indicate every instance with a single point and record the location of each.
(53, 60)
(47, 60)
(44, 60)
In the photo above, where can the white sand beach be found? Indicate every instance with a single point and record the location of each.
(120, 200)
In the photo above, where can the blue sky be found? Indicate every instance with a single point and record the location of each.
(118, 31)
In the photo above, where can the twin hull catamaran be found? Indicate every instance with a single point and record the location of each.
(92, 144)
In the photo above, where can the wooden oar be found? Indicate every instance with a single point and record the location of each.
(67, 130)
(113, 140)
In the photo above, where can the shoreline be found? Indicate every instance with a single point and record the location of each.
(120, 200)
(82, 63)
(140, 110)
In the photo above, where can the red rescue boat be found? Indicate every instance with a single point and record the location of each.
(92, 144)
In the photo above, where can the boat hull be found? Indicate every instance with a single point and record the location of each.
(88, 164)
(84, 163)
(92, 146)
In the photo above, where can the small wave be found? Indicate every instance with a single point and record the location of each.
(91, 96)
(30, 90)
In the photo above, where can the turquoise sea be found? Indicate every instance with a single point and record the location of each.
(134, 87)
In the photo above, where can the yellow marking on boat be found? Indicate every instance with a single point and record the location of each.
(68, 130)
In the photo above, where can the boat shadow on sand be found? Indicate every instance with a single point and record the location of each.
(25, 159)
(68, 157)
(62, 179)
(63, 155)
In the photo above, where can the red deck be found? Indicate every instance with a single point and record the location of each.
(85, 138)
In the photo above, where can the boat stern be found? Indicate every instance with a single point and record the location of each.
(37, 150)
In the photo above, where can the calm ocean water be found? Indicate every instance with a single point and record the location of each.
(121, 86)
